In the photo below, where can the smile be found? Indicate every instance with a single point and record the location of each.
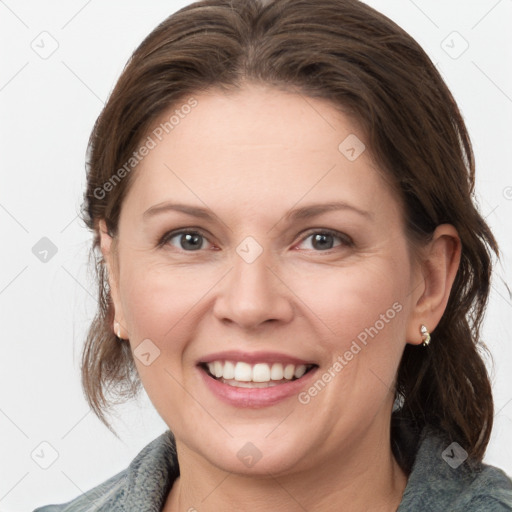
(260, 375)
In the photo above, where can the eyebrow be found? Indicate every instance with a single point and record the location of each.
(305, 212)
(195, 211)
(314, 210)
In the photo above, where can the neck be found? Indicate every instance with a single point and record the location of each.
(363, 479)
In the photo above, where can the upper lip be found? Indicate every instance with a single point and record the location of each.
(254, 357)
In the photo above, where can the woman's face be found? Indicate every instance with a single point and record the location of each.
(286, 253)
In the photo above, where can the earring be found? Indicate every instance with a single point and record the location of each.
(425, 334)
(117, 329)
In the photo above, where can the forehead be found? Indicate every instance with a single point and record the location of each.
(257, 146)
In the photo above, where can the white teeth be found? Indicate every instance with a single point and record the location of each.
(229, 370)
(300, 371)
(218, 369)
(289, 370)
(237, 384)
(260, 372)
(277, 372)
(244, 373)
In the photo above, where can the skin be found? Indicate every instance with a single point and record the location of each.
(250, 157)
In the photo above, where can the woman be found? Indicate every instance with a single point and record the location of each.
(292, 267)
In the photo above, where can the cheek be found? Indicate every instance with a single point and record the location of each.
(366, 310)
(161, 307)
(160, 301)
(363, 302)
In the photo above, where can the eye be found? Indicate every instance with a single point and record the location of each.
(324, 240)
(186, 240)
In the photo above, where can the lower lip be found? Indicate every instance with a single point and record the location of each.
(256, 397)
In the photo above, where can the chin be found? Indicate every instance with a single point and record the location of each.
(255, 455)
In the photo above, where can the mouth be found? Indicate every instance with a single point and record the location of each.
(242, 374)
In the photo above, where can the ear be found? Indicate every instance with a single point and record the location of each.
(108, 250)
(438, 267)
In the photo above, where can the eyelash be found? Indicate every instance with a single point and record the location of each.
(346, 241)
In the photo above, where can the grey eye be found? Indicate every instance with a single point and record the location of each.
(322, 241)
(325, 240)
(188, 241)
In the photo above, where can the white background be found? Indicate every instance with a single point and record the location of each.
(48, 107)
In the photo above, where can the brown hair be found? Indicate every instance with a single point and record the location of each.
(348, 53)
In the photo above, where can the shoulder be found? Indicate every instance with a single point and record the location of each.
(489, 489)
(106, 494)
(442, 478)
(147, 479)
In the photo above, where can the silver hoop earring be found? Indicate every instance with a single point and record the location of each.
(425, 334)
(117, 329)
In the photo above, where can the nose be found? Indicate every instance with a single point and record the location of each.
(253, 294)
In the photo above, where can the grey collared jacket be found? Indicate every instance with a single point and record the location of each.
(440, 481)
